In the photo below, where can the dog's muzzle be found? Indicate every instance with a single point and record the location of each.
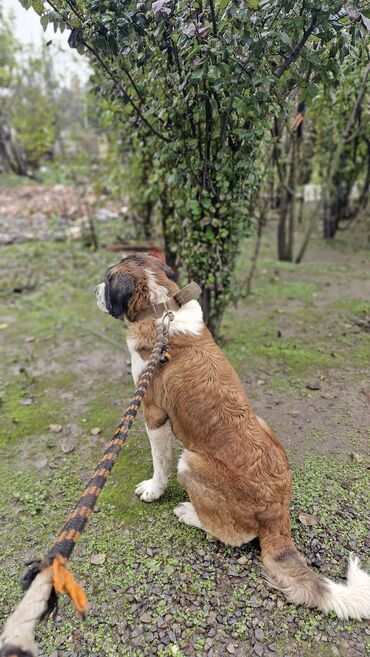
(100, 297)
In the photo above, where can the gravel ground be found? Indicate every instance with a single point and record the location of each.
(185, 595)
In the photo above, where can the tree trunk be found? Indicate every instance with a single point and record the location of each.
(212, 310)
(205, 302)
(166, 211)
(260, 226)
(291, 199)
(329, 223)
(148, 220)
(282, 236)
(14, 160)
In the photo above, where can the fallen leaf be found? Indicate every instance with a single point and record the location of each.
(55, 428)
(95, 431)
(66, 446)
(308, 520)
(313, 385)
(357, 457)
(3, 326)
(97, 559)
(28, 401)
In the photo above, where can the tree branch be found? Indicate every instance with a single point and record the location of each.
(123, 91)
(213, 15)
(113, 77)
(73, 8)
(359, 99)
(297, 49)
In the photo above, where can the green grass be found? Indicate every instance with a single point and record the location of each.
(280, 291)
(21, 422)
(257, 340)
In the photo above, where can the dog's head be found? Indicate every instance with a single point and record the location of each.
(133, 284)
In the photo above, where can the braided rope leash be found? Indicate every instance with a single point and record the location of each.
(46, 578)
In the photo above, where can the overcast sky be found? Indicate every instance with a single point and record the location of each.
(29, 31)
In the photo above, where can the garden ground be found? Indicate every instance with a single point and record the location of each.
(301, 345)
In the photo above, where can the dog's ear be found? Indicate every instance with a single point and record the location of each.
(168, 271)
(164, 266)
(118, 291)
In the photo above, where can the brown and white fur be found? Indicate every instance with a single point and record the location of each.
(233, 468)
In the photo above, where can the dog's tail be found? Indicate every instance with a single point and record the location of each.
(287, 570)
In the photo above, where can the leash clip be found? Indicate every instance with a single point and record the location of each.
(168, 317)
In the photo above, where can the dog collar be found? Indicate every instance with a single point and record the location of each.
(190, 292)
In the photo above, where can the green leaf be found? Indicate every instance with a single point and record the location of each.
(75, 22)
(38, 6)
(311, 90)
(44, 20)
(366, 22)
(285, 38)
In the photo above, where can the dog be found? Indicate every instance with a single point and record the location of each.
(233, 468)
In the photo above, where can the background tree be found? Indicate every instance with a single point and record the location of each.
(288, 157)
(11, 157)
(42, 116)
(32, 113)
(198, 86)
(342, 151)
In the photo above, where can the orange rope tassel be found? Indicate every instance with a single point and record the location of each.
(64, 582)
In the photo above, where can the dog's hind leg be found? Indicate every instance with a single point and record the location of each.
(211, 508)
(188, 515)
(185, 511)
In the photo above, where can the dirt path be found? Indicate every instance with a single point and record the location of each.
(155, 587)
(45, 212)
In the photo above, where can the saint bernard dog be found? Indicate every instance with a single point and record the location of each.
(233, 468)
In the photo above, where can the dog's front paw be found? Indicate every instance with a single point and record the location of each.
(149, 490)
